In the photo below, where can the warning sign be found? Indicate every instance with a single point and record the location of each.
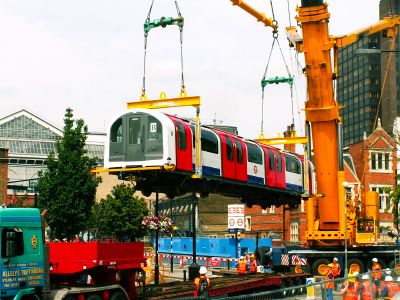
(236, 217)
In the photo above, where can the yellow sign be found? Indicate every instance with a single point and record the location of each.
(34, 241)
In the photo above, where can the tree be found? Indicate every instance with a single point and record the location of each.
(395, 197)
(66, 188)
(121, 213)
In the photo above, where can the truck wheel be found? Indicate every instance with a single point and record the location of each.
(118, 295)
(94, 297)
(292, 285)
(301, 290)
(284, 285)
(320, 267)
(355, 265)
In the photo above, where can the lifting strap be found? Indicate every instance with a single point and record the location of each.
(163, 22)
(265, 81)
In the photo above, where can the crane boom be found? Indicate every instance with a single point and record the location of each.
(259, 16)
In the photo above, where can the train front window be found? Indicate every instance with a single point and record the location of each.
(154, 129)
(116, 131)
(134, 131)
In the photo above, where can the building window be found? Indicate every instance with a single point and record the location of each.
(385, 204)
(381, 162)
(294, 231)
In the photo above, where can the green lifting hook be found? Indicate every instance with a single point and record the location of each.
(276, 80)
(163, 22)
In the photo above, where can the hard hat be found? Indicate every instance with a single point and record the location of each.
(365, 277)
(330, 265)
(203, 270)
(388, 271)
(355, 273)
(242, 257)
(335, 259)
(398, 278)
(375, 259)
(252, 255)
(352, 278)
(388, 278)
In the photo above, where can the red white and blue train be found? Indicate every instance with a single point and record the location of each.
(231, 165)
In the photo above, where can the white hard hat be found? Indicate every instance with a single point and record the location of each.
(203, 270)
(242, 257)
(355, 273)
(335, 259)
(398, 278)
(365, 276)
(388, 278)
(387, 271)
(375, 259)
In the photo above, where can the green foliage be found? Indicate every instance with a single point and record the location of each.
(121, 214)
(395, 197)
(67, 189)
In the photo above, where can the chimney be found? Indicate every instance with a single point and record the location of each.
(290, 132)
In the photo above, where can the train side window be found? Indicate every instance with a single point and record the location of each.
(229, 148)
(292, 165)
(279, 163)
(12, 242)
(154, 129)
(254, 154)
(271, 159)
(239, 152)
(181, 136)
(116, 131)
(209, 142)
(134, 137)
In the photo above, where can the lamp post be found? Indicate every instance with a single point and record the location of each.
(238, 249)
(174, 228)
(345, 185)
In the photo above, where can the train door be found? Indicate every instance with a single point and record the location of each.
(228, 157)
(144, 137)
(183, 146)
(280, 170)
(241, 160)
(255, 164)
(270, 167)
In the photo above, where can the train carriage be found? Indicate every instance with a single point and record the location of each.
(141, 139)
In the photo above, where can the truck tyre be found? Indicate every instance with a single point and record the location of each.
(320, 267)
(94, 297)
(292, 284)
(355, 264)
(302, 289)
(284, 285)
(118, 295)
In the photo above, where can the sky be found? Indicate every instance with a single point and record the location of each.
(88, 55)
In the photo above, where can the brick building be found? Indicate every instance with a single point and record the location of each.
(376, 165)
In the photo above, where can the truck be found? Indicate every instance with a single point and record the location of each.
(335, 225)
(32, 268)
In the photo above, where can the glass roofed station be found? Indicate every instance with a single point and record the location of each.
(29, 140)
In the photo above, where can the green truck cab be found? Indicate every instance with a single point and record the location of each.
(22, 269)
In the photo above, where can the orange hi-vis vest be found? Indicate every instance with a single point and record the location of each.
(253, 267)
(352, 291)
(376, 274)
(336, 269)
(393, 289)
(367, 291)
(329, 284)
(242, 266)
(197, 284)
